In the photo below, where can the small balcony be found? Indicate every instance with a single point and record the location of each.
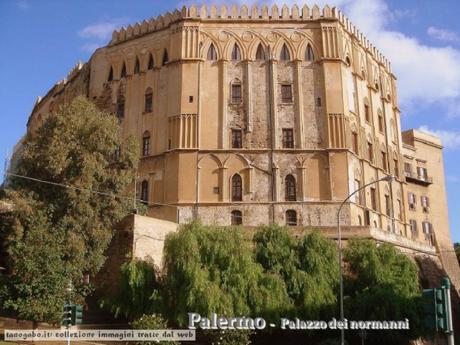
(419, 179)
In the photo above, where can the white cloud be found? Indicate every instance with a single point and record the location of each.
(443, 35)
(449, 139)
(102, 30)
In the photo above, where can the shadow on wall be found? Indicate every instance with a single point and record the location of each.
(431, 275)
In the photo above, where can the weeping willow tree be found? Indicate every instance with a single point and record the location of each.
(308, 267)
(212, 270)
(137, 293)
(383, 284)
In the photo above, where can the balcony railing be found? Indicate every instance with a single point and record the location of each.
(416, 178)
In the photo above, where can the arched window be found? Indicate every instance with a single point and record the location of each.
(237, 188)
(291, 218)
(151, 62)
(120, 107)
(236, 53)
(237, 217)
(148, 104)
(110, 77)
(165, 57)
(123, 71)
(284, 55)
(260, 53)
(212, 54)
(290, 188)
(146, 143)
(145, 191)
(137, 66)
(309, 56)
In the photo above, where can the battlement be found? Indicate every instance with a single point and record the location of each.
(244, 13)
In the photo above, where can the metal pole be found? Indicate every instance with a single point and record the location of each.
(388, 178)
(450, 335)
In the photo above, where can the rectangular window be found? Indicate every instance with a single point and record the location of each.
(399, 210)
(411, 199)
(367, 113)
(374, 199)
(384, 160)
(288, 138)
(425, 204)
(396, 167)
(355, 142)
(408, 169)
(367, 217)
(358, 196)
(237, 141)
(387, 205)
(380, 123)
(413, 228)
(422, 173)
(236, 93)
(286, 93)
(370, 152)
(120, 109)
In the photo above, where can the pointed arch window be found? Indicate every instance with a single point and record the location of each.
(236, 53)
(110, 77)
(123, 71)
(290, 188)
(285, 55)
(291, 218)
(146, 143)
(237, 188)
(148, 106)
(260, 53)
(145, 191)
(165, 57)
(309, 56)
(137, 67)
(212, 53)
(151, 62)
(236, 217)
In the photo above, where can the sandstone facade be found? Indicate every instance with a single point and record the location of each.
(265, 115)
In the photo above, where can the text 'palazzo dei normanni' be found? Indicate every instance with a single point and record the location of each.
(258, 115)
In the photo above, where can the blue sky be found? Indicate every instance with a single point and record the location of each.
(42, 40)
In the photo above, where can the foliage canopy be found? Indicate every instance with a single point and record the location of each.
(74, 147)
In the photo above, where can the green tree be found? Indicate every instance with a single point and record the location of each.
(74, 147)
(138, 291)
(309, 267)
(155, 322)
(212, 269)
(383, 284)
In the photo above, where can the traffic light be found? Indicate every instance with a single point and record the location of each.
(436, 308)
(67, 315)
(441, 310)
(73, 315)
(77, 314)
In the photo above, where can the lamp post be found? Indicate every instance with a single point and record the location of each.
(388, 178)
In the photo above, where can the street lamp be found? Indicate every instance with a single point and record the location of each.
(388, 178)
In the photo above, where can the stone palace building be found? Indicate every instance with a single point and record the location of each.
(258, 115)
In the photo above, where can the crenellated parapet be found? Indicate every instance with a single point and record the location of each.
(245, 13)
